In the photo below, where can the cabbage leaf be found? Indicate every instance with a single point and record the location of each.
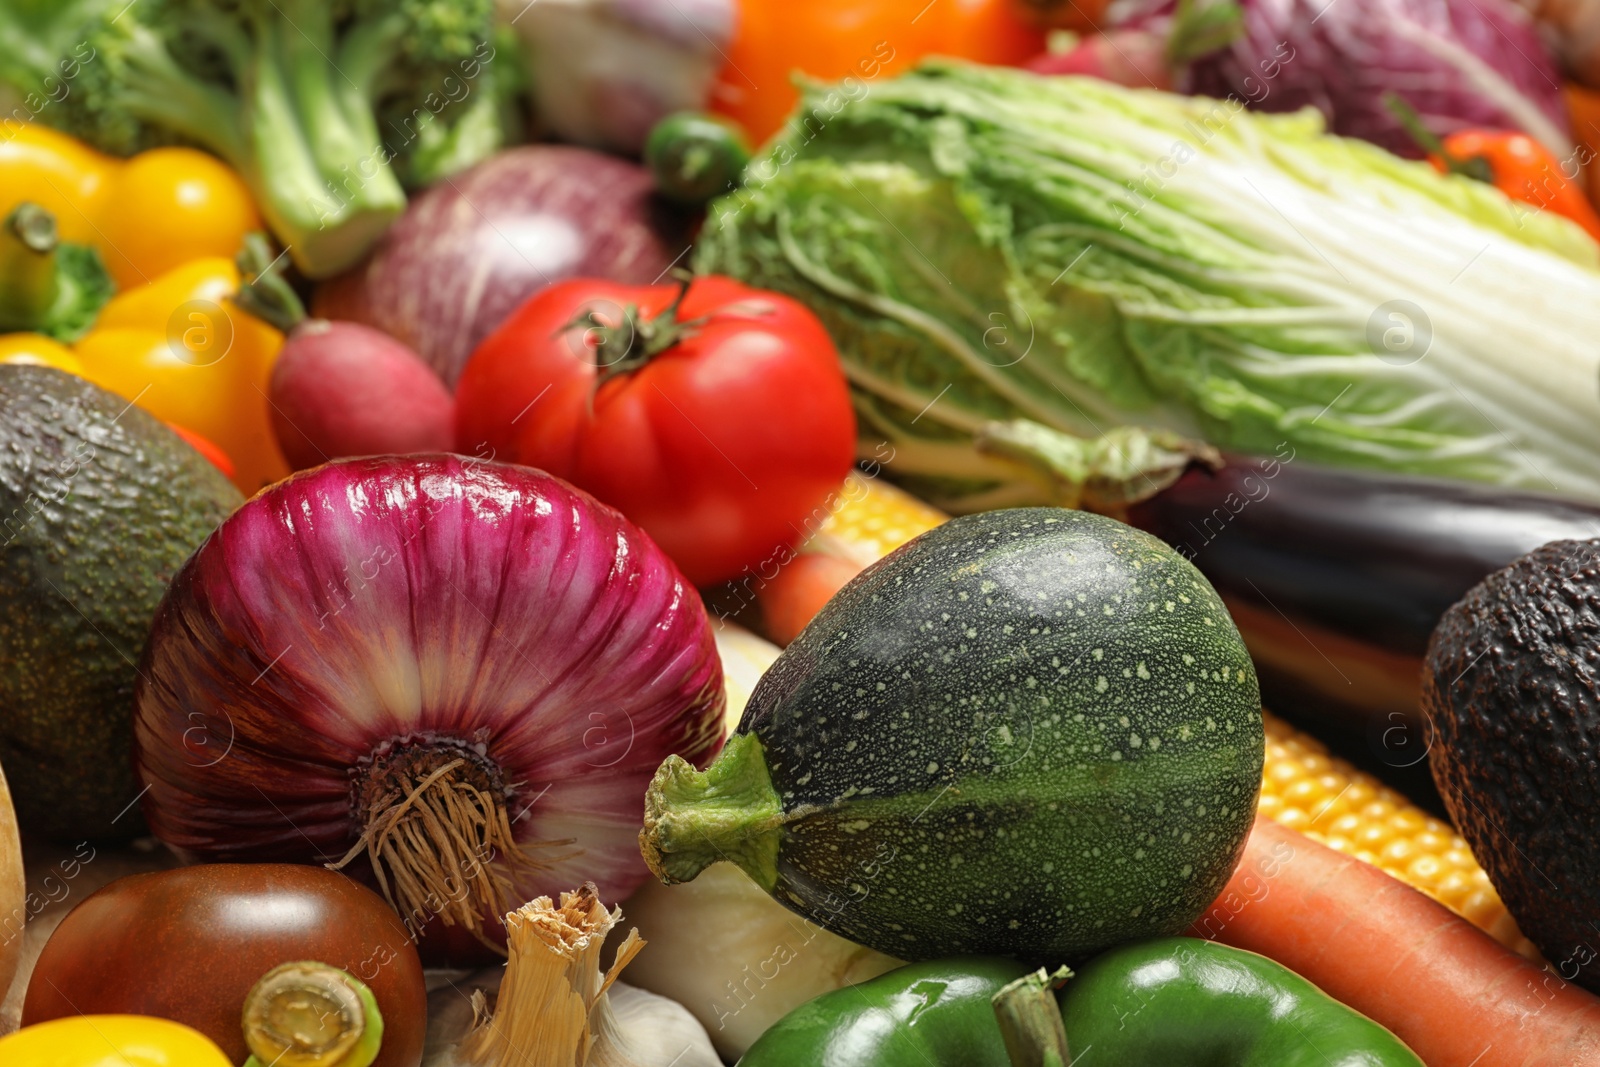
(988, 246)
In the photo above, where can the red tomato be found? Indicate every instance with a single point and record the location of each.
(719, 425)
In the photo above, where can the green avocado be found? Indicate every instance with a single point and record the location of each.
(99, 505)
(1512, 692)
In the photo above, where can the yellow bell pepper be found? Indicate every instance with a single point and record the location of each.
(39, 350)
(110, 1041)
(167, 223)
(181, 350)
(145, 215)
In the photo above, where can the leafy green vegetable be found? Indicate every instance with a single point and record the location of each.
(312, 101)
(988, 246)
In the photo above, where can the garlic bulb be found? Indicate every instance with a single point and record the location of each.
(555, 1008)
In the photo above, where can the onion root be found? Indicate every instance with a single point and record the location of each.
(438, 836)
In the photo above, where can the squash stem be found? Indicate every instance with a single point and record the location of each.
(1030, 1020)
(730, 811)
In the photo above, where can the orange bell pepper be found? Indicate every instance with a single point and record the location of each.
(1525, 170)
(861, 40)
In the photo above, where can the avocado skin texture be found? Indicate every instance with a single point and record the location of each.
(1512, 689)
(100, 503)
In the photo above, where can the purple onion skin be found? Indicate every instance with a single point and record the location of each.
(422, 598)
(1346, 54)
(472, 248)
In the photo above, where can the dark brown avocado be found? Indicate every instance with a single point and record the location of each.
(99, 505)
(1512, 686)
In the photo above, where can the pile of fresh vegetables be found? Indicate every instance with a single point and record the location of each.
(630, 533)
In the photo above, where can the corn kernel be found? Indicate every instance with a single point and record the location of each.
(1306, 789)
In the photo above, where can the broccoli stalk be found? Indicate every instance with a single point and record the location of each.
(287, 91)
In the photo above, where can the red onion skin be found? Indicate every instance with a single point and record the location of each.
(472, 248)
(431, 598)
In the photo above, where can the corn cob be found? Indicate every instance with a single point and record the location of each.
(1328, 800)
(1302, 787)
(872, 519)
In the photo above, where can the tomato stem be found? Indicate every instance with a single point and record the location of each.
(309, 1014)
(636, 340)
(1474, 167)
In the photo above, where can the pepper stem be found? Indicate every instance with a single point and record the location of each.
(1030, 1020)
(263, 292)
(1474, 167)
(29, 284)
(730, 811)
(47, 286)
(308, 1014)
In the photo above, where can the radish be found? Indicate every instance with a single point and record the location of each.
(343, 389)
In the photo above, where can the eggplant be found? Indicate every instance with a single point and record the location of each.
(1336, 579)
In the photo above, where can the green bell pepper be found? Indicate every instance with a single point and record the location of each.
(1182, 1002)
(934, 1014)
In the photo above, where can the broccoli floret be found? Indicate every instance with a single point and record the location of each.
(37, 44)
(290, 92)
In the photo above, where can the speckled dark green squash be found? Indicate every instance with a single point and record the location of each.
(1032, 733)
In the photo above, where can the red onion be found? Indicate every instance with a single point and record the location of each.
(458, 675)
(472, 248)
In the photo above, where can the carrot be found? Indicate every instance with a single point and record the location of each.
(1445, 988)
(798, 592)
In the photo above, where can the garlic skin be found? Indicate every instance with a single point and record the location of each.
(659, 1032)
(553, 1006)
(656, 1031)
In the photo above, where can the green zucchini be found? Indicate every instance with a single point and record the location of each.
(1032, 733)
